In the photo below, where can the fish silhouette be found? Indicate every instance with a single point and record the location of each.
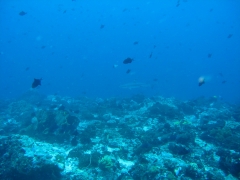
(201, 81)
(36, 83)
(22, 13)
(230, 35)
(128, 61)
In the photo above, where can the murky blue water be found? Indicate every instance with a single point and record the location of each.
(78, 48)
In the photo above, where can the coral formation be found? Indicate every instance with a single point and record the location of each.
(119, 138)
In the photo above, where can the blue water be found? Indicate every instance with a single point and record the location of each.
(63, 43)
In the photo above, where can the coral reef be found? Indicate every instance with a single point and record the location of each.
(134, 138)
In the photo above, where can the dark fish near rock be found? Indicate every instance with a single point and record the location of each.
(22, 13)
(36, 83)
(128, 61)
(128, 71)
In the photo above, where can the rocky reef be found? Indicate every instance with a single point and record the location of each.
(134, 138)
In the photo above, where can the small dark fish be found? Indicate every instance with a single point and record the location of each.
(27, 68)
(220, 74)
(64, 11)
(102, 26)
(22, 13)
(209, 55)
(36, 83)
(128, 61)
(201, 83)
(224, 81)
(43, 47)
(230, 35)
(178, 3)
(154, 46)
(128, 71)
(150, 56)
(135, 43)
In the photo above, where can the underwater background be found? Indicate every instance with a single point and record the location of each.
(119, 90)
(73, 46)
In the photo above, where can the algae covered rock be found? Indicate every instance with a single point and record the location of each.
(106, 163)
(29, 159)
(159, 109)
